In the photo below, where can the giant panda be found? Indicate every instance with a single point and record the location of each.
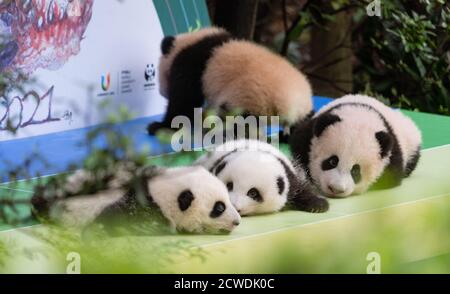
(260, 179)
(174, 193)
(354, 142)
(230, 74)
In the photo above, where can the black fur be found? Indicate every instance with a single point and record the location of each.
(230, 186)
(324, 121)
(385, 141)
(218, 209)
(130, 210)
(219, 161)
(281, 185)
(300, 195)
(412, 163)
(39, 203)
(300, 143)
(185, 80)
(185, 200)
(167, 44)
(284, 138)
(255, 195)
(220, 167)
(330, 163)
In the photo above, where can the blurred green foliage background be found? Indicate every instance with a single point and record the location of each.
(395, 50)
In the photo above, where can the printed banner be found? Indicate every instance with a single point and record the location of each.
(78, 54)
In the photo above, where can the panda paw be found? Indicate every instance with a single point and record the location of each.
(317, 205)
(312, 203)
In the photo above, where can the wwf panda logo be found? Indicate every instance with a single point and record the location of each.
(150, 72)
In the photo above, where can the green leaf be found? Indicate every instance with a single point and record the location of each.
(420, 66)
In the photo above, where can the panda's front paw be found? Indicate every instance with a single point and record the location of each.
(310, 203)
(155, 127)
(317, 204)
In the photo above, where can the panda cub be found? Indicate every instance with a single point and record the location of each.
(172, 192)
(230, 74)
(354, 142)
(261, 179)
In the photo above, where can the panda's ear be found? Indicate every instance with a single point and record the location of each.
(220, 167)
(385, 140)
(185, 199)
(167, 44)
(323, 121)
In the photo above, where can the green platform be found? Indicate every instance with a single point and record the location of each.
(409, 226)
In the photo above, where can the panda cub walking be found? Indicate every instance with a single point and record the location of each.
(261, 179)
(172, 192)
(354, 142)
(210, 65)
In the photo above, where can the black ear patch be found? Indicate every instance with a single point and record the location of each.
(185, 199)
(385, 141)
(220, 167)
(324, 121)
(167, 44)
(281, 185)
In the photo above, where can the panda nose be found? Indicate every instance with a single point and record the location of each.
(335, 190)
(236, 222)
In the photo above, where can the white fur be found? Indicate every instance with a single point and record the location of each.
(353, 141)
(254, 165)
(82, 210)
(207, 190)
(407, 133)
(165, 188)
(244, 75)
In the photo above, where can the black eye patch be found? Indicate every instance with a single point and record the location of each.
(220, 167)
(185, 199)
(255, 195)
(230, 186)
(218, 209)
(330, 163)
(356, 173)
(281, 185)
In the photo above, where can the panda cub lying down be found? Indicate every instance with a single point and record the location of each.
(261, 179)
(355, 142)
(173, 192)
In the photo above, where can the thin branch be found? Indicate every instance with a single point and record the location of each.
(322, 57)
(344, 8)
(297, 20)
(283, 10)
(330, 63)
(286, 41)
(328, 81)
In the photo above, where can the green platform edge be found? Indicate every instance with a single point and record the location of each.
(417, 212)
